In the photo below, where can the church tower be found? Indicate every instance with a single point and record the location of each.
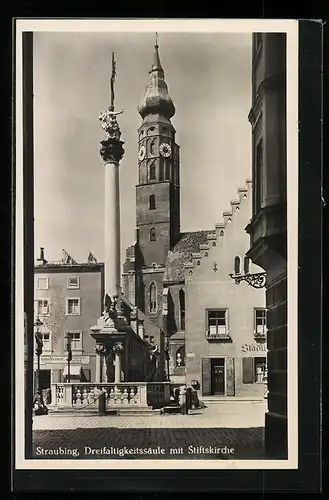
(157, 191)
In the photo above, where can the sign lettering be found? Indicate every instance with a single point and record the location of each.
(254, 348)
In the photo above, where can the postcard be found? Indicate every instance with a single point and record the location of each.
(156, 263)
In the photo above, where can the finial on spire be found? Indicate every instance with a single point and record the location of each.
(156, 39)
(113, 75)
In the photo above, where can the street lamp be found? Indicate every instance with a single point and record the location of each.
(69, 355)
(41, 408)
(167, 357)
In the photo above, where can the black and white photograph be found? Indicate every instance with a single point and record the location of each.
(156, 301)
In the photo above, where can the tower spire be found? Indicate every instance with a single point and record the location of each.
(156, 99)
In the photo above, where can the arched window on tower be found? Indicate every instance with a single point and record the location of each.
(237, 265)
(152, 147)
(153, 305)
(153, 234)
(152, 171)
(167, 170)
(182, 309)
(152, 202)
(246, 265)
(161, 171)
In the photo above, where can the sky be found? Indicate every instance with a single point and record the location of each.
(209, 81)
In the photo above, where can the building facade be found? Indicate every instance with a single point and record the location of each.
(67, 299)
(268, 227)
(225, 344)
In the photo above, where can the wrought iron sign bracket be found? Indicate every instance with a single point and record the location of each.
(256, 280)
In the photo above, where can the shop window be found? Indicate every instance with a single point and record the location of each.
(260, 370)
(254, 370)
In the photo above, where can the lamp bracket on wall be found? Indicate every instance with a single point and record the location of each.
(256, 280)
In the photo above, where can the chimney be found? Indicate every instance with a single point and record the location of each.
(42, 259)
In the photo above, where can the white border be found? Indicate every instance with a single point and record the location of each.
(183, 26)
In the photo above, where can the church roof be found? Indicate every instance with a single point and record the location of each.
(156, 99)
(182, 254)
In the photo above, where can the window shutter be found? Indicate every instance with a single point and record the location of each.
(248, 375)
(206, 376)
(230, 377)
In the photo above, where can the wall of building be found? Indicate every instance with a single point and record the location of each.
(58, 322)
(268, 229)
(210, 287)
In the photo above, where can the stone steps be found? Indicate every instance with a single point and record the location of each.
(110, 411)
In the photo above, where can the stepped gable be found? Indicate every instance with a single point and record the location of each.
(213, 237)
(188, 244)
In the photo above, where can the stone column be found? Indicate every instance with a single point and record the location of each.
(112, 229)
(118, 348)
(100, 352)
(111, 153)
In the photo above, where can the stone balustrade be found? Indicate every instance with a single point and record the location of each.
(123, 395)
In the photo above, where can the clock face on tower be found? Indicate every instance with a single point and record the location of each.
(141, 154)
(165, 150)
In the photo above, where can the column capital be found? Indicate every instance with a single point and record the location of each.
(118, 347)
(100, 349)
(112, 151)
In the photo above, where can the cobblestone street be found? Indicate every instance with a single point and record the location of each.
(237, 426)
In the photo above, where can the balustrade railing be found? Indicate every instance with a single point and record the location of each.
(124, 394)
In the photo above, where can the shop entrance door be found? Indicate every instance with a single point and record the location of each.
(218, 376)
